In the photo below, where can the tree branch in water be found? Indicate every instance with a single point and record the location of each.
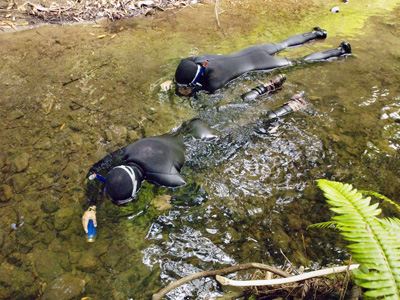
(323, 272)
(210, 273)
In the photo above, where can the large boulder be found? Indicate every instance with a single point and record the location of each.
(65, 287)
(15, 281)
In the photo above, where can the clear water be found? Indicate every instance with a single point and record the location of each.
(69, 97)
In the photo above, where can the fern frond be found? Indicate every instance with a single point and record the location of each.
(377, 195)
(323, 225)
(392, 225)
(373, 244)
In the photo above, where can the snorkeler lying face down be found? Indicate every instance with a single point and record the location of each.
(157, 159)
(212, 72)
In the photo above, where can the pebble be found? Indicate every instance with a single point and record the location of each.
(5, 193)
(76, 126)
(21, 162)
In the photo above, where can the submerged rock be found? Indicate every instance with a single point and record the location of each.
(64, 287)
(120, 131)
(21, 162)
(71, 171)
(50, 205)
(43, 144)
(48, 265)
(88, 263)
(134, 135)
(14, 281)
(162, 202)
(26, 236)
(63, 218)
(5, 193)
(76, 126)
(19, 182)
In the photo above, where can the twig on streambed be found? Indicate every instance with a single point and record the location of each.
(84, 74)
(216, 12)
(210, 273)
(293, 267)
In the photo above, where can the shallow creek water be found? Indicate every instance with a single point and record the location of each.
(72, 94)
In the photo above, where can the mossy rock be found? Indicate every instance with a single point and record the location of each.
(65, 287)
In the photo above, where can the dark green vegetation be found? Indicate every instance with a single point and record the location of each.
(71, 94)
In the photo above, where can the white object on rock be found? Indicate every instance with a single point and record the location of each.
(335, 9)
(147, 3)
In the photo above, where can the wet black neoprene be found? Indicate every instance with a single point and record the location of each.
(156, 159)
(223, 68)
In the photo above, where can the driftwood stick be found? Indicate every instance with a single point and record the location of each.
(323, 272)
(228, 270)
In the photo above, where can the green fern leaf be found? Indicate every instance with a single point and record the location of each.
(392, 225)
(373, 244)
(323, 225)
(377, 195)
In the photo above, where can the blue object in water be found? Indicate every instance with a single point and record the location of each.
(91, 234)
(101, 178)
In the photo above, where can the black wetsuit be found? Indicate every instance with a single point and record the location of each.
(156, 159)
(223, 68)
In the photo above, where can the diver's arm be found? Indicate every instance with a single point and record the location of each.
(103, 166)
(107, 163)
(95, 183)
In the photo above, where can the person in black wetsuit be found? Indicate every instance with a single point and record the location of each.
(156, 159)
(212, 72)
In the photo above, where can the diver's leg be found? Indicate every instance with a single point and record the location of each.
(297, 101)
(296, 40)
(343, 50)
(266, 88)
(268, 122)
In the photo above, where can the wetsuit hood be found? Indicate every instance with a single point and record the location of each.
(186, 72)
(122, 183)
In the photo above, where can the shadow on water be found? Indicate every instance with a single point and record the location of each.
(71, 94)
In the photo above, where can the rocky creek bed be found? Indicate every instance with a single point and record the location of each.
(62, 110)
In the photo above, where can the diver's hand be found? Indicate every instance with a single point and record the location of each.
(90, 214)
(167, 85)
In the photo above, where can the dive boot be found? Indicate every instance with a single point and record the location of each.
(321, 34)
(346, 48)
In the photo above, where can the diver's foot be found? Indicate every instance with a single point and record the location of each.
(346, 48)
(321, 34)
(297, 101)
